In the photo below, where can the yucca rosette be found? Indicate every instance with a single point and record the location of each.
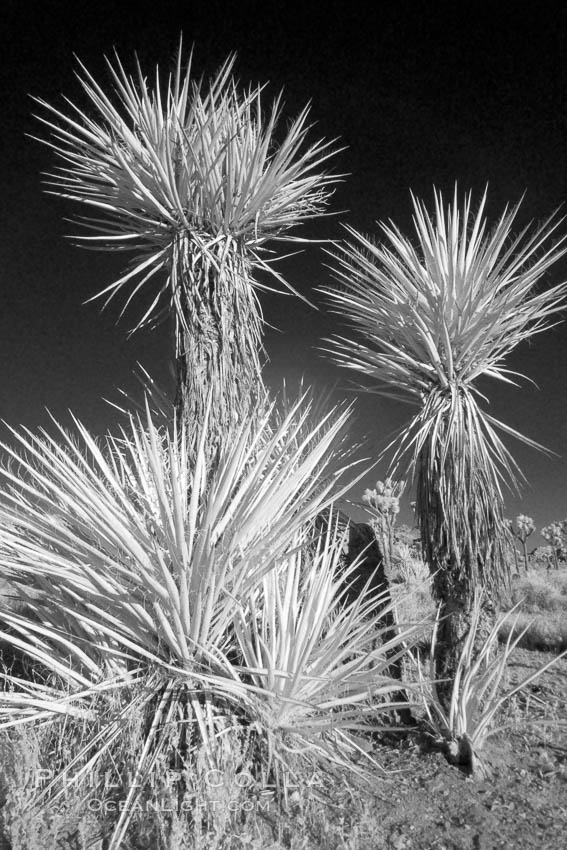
(192, 181)
(430, 317)
(132, 560)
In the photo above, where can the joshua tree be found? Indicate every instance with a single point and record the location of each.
(384, 502)
(524, 527)
(430, 320)
(553, 533)
(192, 182)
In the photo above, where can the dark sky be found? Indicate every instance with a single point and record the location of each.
(422, 94)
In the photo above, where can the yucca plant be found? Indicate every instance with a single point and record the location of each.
(429, 320)
(193, 182)
(320, 659)
(133, 558)
(478, 693)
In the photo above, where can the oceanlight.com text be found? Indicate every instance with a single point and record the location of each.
(148, 807)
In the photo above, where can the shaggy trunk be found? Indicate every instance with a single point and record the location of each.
(463, 539)
(457, 598)
(217, 352)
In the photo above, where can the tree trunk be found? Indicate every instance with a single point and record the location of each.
(461, 754)
(525, 545)
(463, 537)
(217, 350)
(457, 600)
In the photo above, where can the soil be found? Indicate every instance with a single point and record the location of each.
(423, 803)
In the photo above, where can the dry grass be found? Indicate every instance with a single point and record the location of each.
(542, 599)
(228, 809)
(216, 810)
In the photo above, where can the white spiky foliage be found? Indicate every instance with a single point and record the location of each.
(192, 182)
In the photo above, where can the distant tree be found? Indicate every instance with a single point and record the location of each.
(553, 533)
(524, 527)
